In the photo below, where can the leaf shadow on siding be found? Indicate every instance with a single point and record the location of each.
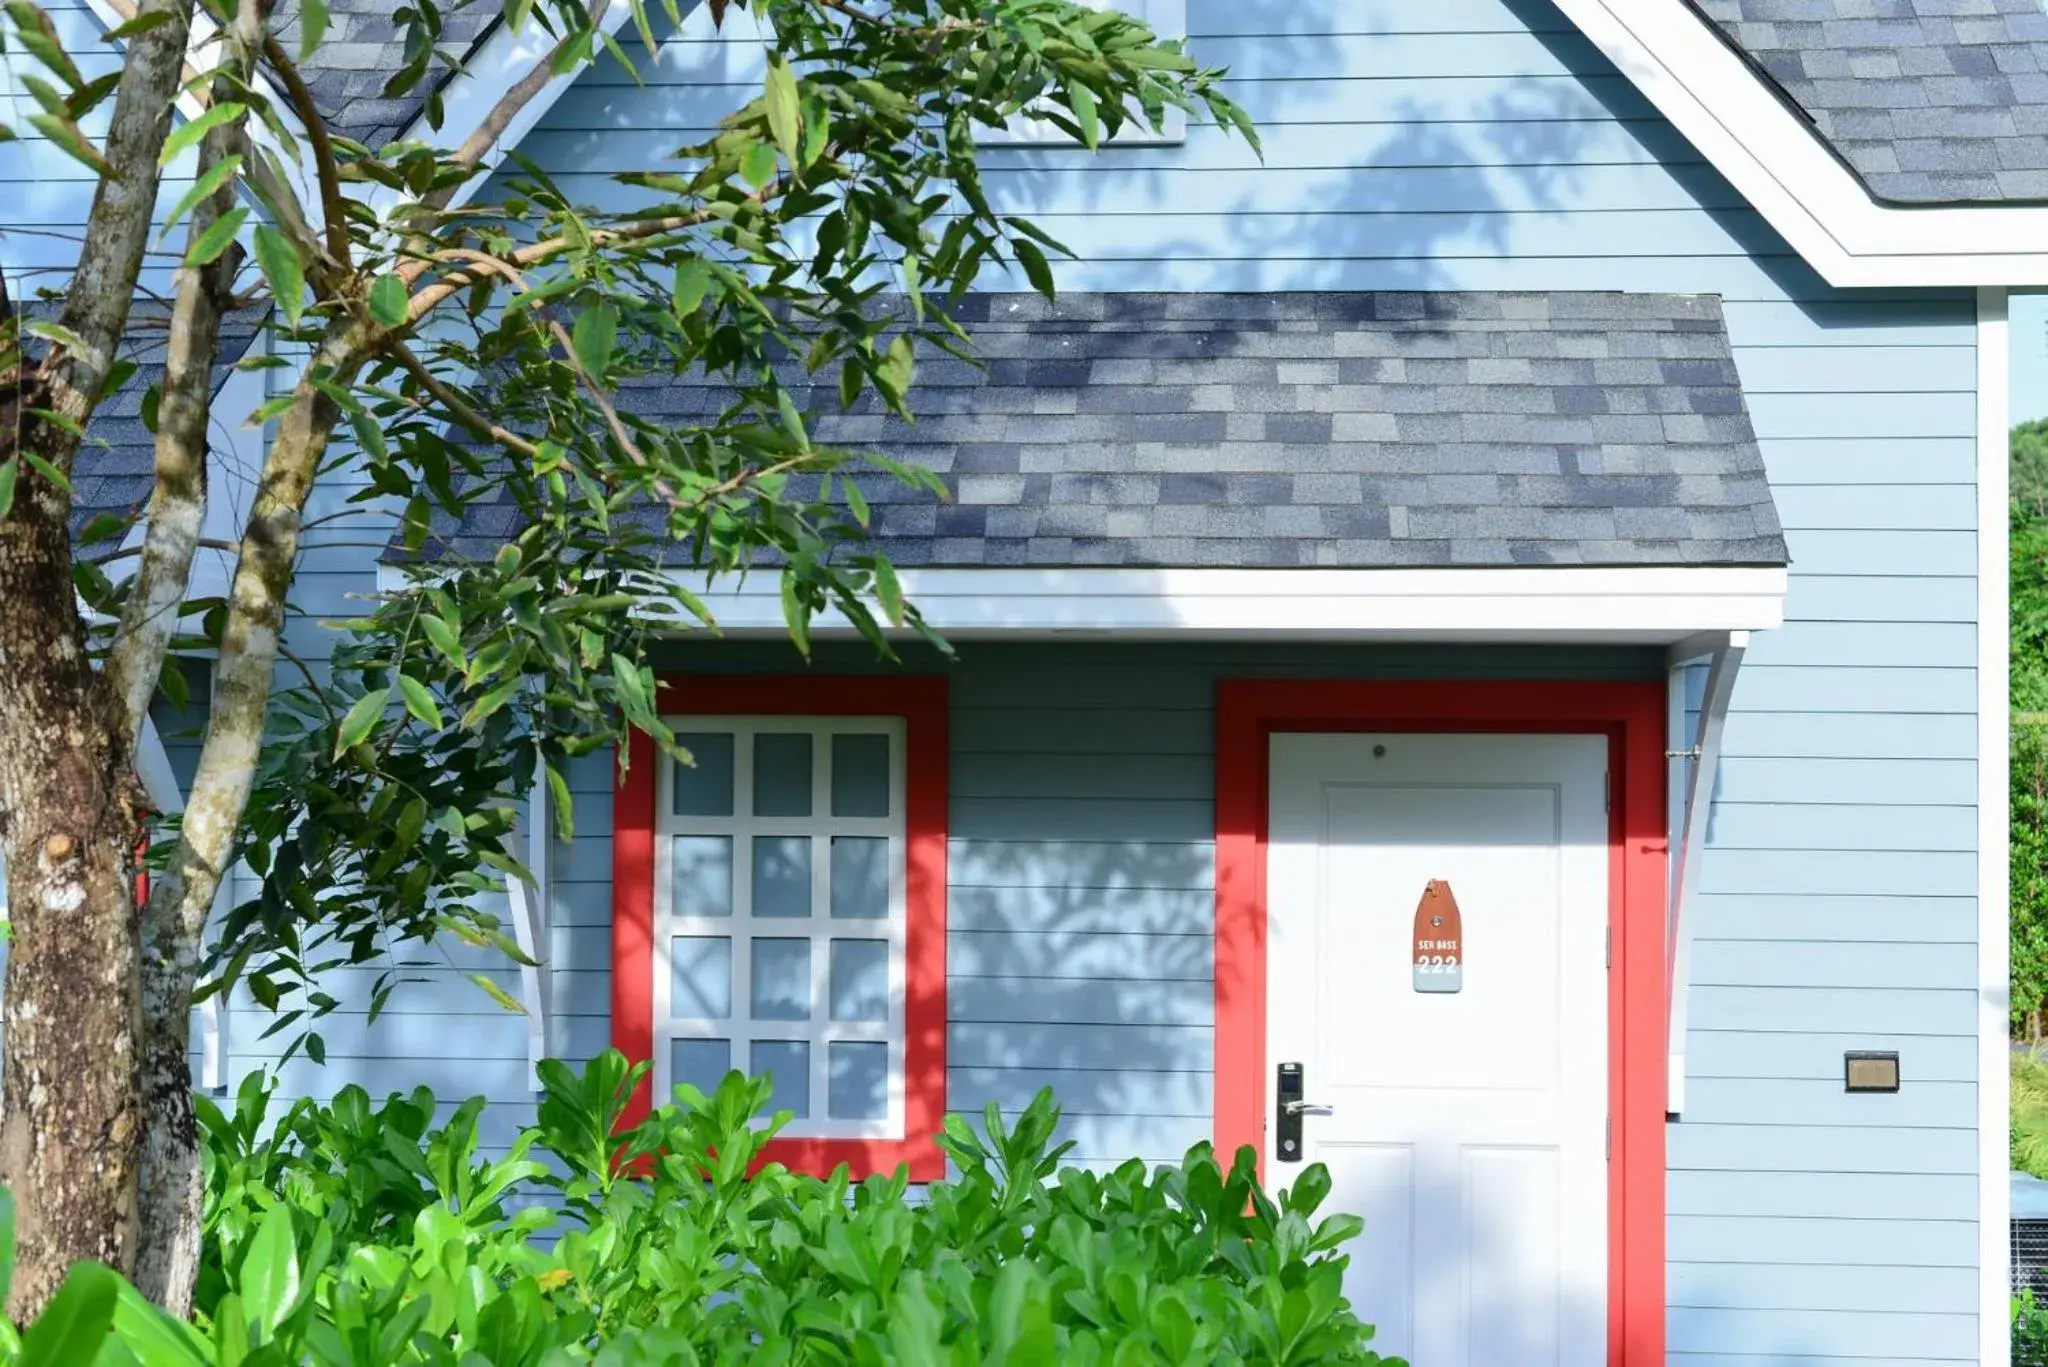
(1444, 180)
(1089, 967)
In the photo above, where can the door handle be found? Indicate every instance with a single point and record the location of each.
(1309, 1108)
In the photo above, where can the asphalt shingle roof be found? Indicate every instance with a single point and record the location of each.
(1370, 429)
(1928, 101)
(114, 470)
(361, 50)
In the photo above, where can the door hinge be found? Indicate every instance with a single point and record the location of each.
(1610, 1138)
(1610, 946)
(1607, 791)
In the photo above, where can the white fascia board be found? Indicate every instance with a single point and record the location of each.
(1994, 816)
(1780, 165)
(1597, 605)
(504, 59)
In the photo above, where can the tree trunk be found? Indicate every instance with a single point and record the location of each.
(69, 827)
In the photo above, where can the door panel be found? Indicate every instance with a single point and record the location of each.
(1467, 1127)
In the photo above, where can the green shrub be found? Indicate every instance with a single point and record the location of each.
(344, 1236)
(2029, 1332)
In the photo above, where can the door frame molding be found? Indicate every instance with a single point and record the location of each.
(1631, 714)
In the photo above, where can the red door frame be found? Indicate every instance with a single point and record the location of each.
(1632, 716)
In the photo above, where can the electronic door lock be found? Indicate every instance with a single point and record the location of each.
(1289, 1107)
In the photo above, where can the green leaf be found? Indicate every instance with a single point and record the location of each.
(188, 133)
(693, 278)
(1039, 273)
(443, 638)
(1083, 100)
(389, 304)
(281, 266)
(785, 121)
(498, 994)
(419, 701)
(153, 1337)
(312, 26)
(10, 471)
(270, 1270)
(216, 238)
(214, 177)
(889, 592)
(38, 35)
(595, 337)
(73, 1327)
(361, 719)
(757, 167)
(795, 615)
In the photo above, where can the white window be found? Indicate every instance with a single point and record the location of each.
(1169, 20)
(779, 916)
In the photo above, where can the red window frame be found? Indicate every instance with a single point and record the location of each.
(920, 701)
(1632, 716)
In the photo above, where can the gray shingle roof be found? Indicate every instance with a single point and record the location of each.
(361, 50)
(1372, 429)
(1928, 101)
(114, 469)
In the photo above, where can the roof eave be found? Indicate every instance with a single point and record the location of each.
(1780, 164)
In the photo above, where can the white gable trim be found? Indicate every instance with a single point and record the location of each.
(1994, 818)
(1781, 166)
(1593, 605)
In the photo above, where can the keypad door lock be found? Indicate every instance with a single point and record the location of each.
(1290, 1105)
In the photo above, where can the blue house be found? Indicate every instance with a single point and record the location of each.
(1481, 663)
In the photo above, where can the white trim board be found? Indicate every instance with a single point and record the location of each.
(1778, 162)
(1595, 605)
(1994, 815)
(1654, 605)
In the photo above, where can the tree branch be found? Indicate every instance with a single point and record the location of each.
(117, 231)
(333, 209)
(177, 506)
(458, 408)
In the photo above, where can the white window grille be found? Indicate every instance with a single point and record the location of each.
(780, 916)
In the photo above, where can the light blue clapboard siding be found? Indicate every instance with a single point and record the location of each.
(1478, 144)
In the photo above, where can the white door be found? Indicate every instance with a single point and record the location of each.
(1467, 1127)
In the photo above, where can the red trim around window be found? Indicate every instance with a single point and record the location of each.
(1632, 716)
(921, 702)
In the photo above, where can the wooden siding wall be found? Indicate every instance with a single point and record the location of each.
(1459, 144)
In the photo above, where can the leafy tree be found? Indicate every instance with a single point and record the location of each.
(468, 352)
(2029, 771)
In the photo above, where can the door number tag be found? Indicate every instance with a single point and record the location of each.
(1439, 940)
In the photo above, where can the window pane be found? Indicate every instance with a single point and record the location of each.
(860, 877)
(782, 980)
(789, 1062)
(782, 774)
(860, 980)
(782, 875)
(703, 1063)
(702, 875)
(860, 775)
(700, 977)
(704, 788)
(857, 1087)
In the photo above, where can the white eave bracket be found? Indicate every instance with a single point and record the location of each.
(531, 904)
(1693, 770)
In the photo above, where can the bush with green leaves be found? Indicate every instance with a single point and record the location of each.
(342, 1235)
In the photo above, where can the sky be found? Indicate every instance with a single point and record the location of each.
(2029, 356)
